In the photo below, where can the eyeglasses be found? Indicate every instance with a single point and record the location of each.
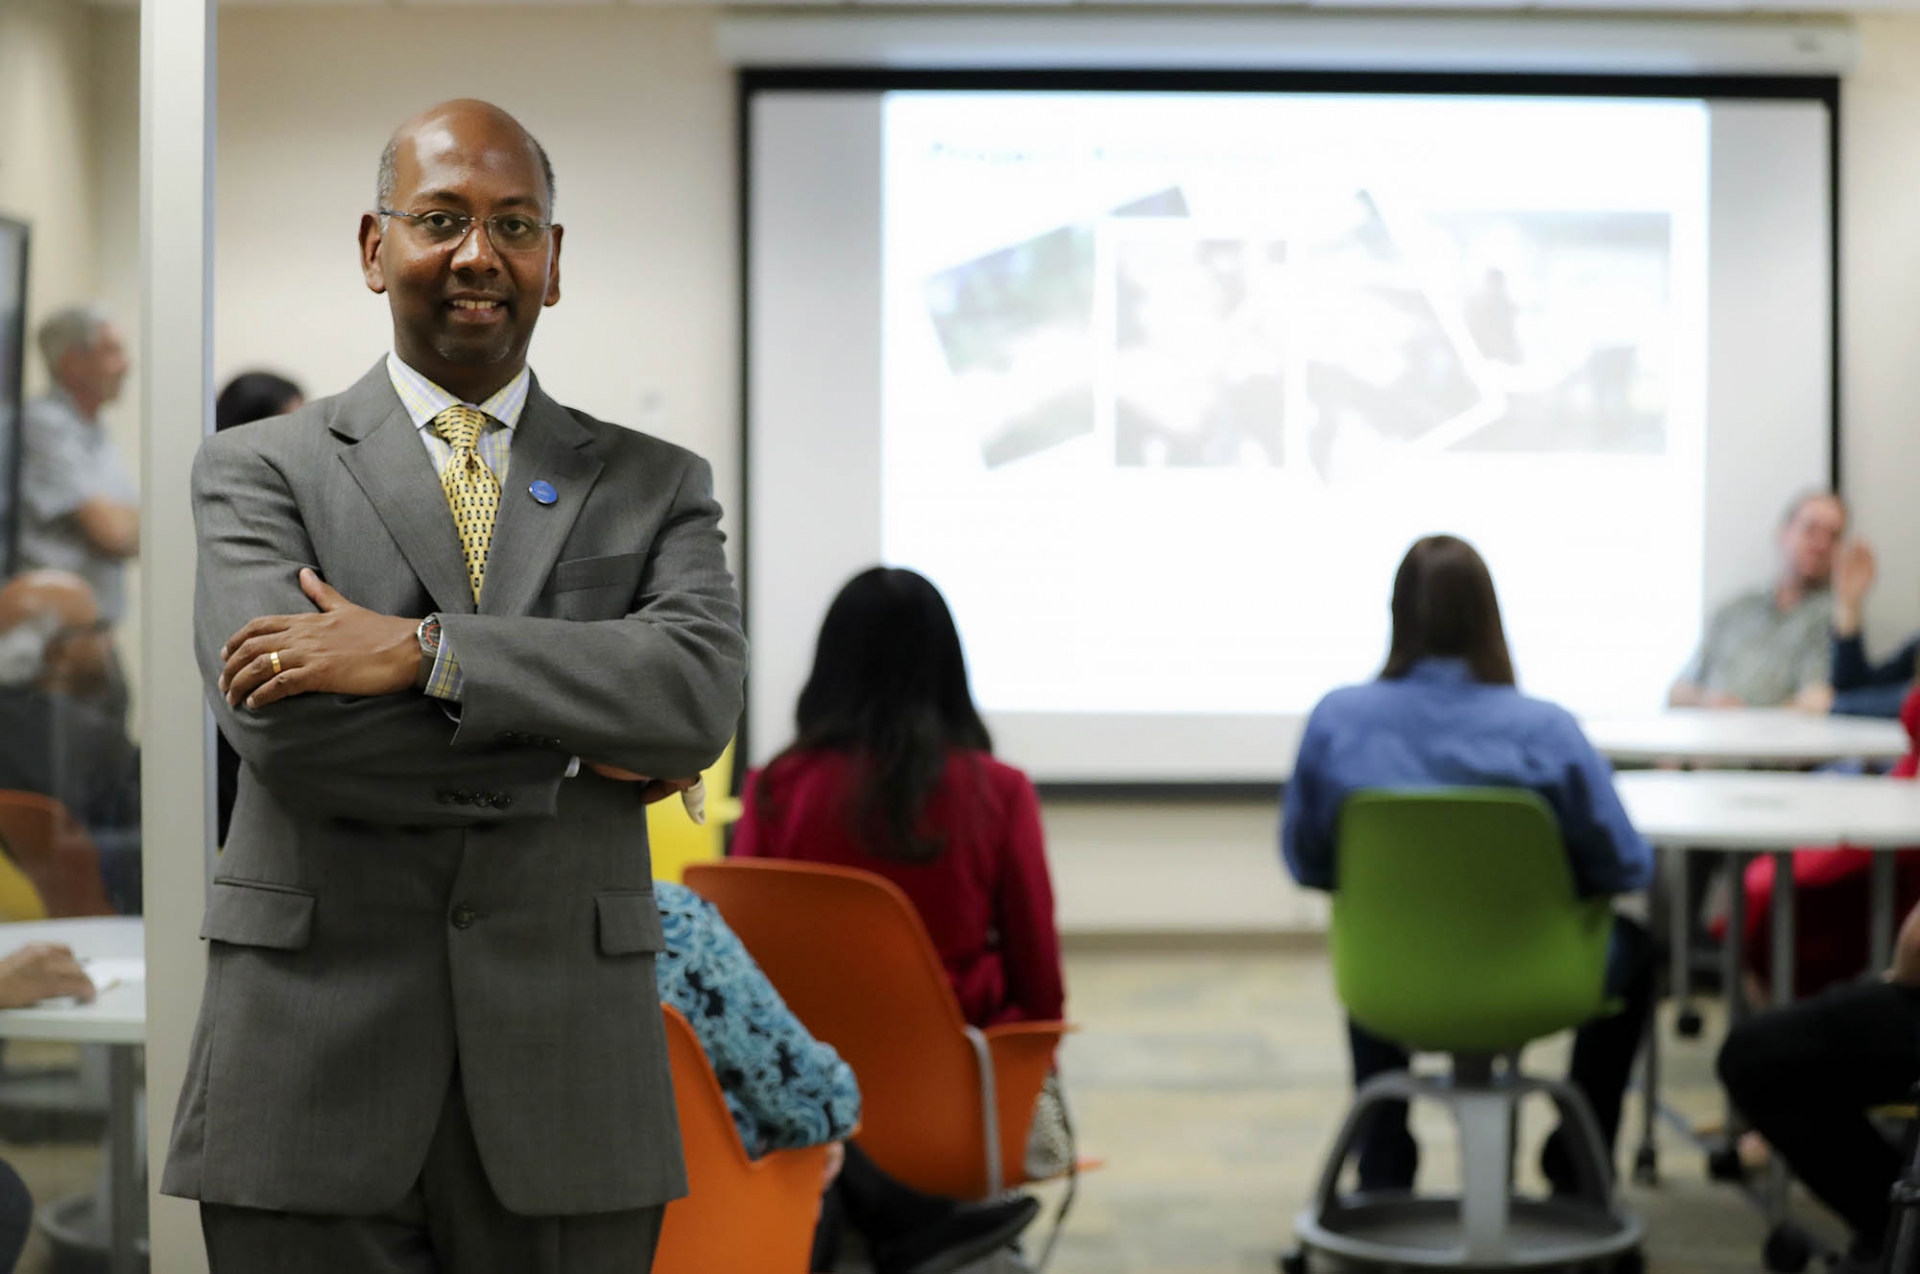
(508, 231)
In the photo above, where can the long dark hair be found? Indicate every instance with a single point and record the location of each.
(1444, 605)
(889, 686)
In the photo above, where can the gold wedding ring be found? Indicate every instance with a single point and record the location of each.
(273, 657)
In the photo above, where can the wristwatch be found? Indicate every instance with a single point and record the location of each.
(428, 635)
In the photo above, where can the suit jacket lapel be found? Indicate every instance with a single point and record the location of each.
(392, 466)
(548, 445)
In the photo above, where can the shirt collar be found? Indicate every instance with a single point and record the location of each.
(1440, 670)
(60, 395)
(424, 400)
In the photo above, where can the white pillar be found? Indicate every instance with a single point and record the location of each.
(176, 261)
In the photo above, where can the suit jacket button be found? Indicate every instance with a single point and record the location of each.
(502, 799)
(446, 796)
(464, 916)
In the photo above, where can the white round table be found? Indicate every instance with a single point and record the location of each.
(114, 948)
(1773, 738)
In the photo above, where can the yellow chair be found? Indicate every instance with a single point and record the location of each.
(19, 900)
(679, 841)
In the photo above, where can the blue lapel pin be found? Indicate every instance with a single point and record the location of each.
(543, 491)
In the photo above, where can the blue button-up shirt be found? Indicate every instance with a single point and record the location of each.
(1438, 727)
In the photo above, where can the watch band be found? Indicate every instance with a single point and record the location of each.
(427, 633)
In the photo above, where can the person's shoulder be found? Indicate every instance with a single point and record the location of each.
(276, 438)
(1745, 602)
(1544, 717)
(48, 411)
(619, 443)
(1361, 699)
(673, 898)
(999, 775)
(688, 922)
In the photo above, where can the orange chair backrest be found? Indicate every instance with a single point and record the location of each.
(55, 853)
(740, 1216)
(852, 959)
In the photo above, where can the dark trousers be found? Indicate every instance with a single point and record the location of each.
(873, 1203)
(1603, 1053)
(1805, 1076)
(16, 1216)
(449, 1223)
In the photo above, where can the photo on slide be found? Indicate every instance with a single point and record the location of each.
(1493, 332)
(1386, 367)
(1195, 374)
(1569, 313)
(1016, 328)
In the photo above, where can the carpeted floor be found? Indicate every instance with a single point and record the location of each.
(1211, 1084)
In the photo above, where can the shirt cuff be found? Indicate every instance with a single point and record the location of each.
(573, 767)
(446, 681)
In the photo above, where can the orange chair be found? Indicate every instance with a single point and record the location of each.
(741, 1215)
(944, 1107)
(55, 852)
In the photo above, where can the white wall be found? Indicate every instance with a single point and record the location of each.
(46, 138)
(634, 109)
(1880, 312)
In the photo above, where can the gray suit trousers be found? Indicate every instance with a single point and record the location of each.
(449, 1223)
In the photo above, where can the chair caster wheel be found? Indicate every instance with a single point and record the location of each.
(1632, 1261)
(1689, 1024)
(1646, 1167)
(1293, 1261)
(1788, 1250)
(1724, 1165)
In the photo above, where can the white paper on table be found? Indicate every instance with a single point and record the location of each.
(111, 971)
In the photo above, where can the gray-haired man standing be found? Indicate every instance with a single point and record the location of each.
(79, 508)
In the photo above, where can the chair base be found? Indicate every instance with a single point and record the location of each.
(1427, 1232)
(1486, 1226)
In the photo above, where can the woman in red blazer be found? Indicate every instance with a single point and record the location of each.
(892, 771)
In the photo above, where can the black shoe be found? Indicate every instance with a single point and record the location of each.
(1857, 1259)
(972, 1231)
(1557, 1166)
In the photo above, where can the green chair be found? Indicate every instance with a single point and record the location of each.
(1456, 930)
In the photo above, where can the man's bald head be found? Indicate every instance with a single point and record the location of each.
(459, 111)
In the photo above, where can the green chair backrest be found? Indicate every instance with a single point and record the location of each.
(1455, 925)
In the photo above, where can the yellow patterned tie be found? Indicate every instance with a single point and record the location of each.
(473, 493)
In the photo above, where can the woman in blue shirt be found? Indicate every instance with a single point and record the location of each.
(1444, 713)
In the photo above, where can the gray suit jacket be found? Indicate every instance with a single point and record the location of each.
(402, 893)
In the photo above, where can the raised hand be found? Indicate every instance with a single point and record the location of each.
(1854, 569)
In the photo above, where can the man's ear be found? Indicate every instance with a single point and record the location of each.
(553, 270)
(372, 235)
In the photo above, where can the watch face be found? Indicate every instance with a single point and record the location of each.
(429, 635)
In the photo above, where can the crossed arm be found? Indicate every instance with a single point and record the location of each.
(339, 729)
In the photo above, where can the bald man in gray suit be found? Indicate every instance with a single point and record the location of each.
(459, 635)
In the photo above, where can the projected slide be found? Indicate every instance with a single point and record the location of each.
(1169, 382)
